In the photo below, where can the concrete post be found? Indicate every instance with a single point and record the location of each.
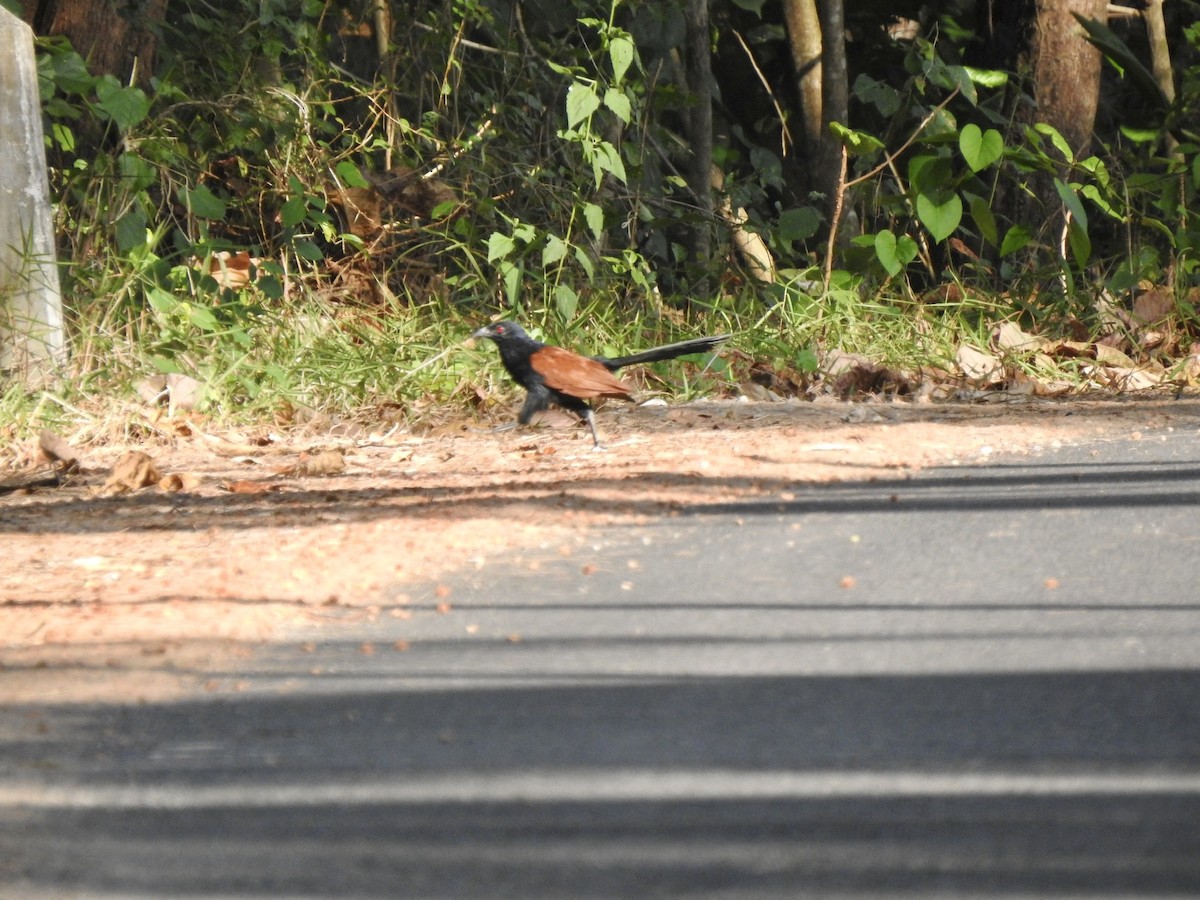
(32, 344)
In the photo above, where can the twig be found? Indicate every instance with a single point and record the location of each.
(785, 136)
(890, 157)
(838, 201)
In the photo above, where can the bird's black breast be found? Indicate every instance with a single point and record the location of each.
(517, 357)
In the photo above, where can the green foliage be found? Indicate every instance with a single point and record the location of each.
(534, 167)
(935, 188)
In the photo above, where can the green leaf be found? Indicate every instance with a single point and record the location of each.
(566, 300)
(894, 253)
(980, 148)
(807, 360)
(929, 173)
(1092, 192)
(958, 76)
(620, 53)
(585, 262)
(1098, 170)
(940, 213)
(126, 106)
(1072, 202)
(200, 316)
(1017, 238)
(511, 275)
(160, 300)
(594, 216)
(1056, 139)
(798, 223)
(616, 100)
(525, 232)
(164, 365)
(885, 252)
(1140, 135)
(350, 175)
(136, 173)
(63, 136)
(500, 246)
(71, 74)
(885, 97)
(1081, 244)
(293, 212)
(984, 220)
(306, 249)
(581, 103)
(202, 202)
(130, 230)
(606, 158)
(555, 249)
(857, 142)
(988, 78)
(270, 286)
(1118, 51)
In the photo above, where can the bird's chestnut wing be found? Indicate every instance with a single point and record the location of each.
(577, 376)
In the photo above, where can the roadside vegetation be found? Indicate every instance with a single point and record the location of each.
(306, 208)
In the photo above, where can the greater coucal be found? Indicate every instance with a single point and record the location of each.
(552, 375)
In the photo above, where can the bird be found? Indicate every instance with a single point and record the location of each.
(555, 376)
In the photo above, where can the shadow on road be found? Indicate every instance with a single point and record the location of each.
(1001, 487)
(1040, 784)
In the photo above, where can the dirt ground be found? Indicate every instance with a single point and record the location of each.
(152, 583)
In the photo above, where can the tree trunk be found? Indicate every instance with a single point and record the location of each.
(1066, 69)
(1042, 40)
(835, 88)
(804, 39)
(116, 38)
(699, 173)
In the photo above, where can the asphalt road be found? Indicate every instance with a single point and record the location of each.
(982, 682)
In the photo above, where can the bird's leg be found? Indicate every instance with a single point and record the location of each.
(536, 401)
(590, 418)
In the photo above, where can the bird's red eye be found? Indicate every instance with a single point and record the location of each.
(499, 329)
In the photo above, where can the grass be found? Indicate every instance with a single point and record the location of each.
(261, 362)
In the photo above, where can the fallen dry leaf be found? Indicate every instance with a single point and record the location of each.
(1154, 305)
(1009, 337)
(980, 367)
(177, 390)
(179, 481)
(57, 450)
(250, 487)
(1111, 356)
(327, 462)
(133, 471)
(229, 448)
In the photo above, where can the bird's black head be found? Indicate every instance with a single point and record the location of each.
(501, 331)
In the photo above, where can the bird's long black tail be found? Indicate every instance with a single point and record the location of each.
(667, 351)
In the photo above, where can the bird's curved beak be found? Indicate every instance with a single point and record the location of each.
(485, 331)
